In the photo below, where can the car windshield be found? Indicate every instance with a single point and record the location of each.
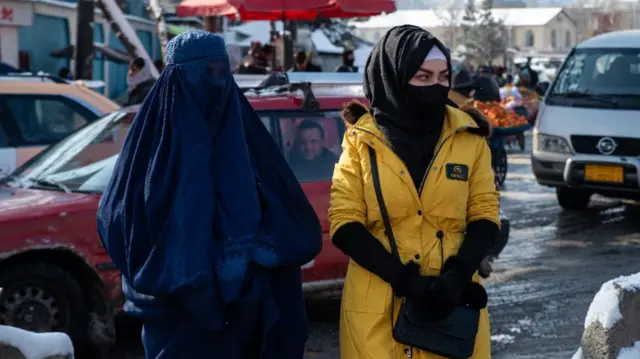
(609, 72)
(82, 162)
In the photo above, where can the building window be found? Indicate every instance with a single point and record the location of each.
(529, 39)
(567, 40)
(46, 34)
(554, 39)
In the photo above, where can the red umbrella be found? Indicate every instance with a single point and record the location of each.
(296, 10)
(358, 8)
(253, 9)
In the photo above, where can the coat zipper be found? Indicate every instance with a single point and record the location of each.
(435, 154)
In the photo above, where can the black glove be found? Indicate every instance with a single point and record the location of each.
(478, 242)
(356, 242)
(447, 296)
(474, 295)
(411, 284)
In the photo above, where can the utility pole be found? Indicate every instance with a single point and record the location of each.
(83, 49)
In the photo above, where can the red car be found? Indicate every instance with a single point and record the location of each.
(54, 273)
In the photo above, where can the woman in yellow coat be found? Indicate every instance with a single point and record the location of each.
(438, 186)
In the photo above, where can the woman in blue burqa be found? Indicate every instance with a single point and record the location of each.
(206, 221)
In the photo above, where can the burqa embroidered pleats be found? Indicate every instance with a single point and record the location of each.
(412, 132)
(205, 220)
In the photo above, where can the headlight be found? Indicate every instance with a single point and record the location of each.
(547, 143)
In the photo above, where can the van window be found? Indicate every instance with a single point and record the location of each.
(600, 72)
(40, 119)
(311, 143)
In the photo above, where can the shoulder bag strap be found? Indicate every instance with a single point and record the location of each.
(383, 209)
(385, 217)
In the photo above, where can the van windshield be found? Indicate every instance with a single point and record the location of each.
(600, 73)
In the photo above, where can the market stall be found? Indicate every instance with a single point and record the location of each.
(508, 118)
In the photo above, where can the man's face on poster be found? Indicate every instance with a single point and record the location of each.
(310, 143)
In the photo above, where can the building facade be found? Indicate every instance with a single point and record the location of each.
(40, 27)
(535, 30)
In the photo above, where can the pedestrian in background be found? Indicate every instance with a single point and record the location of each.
(348, 61)
(139, 81)
(205, 220)
(414, 205)
(159, 64)
(65, 73)
(302, 63)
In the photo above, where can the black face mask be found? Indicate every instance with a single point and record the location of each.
(421, 99)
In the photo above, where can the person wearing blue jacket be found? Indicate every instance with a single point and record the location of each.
(205, 220)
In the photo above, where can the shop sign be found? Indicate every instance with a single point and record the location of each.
(16, 13)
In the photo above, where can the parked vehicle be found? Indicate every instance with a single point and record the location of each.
(587, 135)
(39, 110)
(53, 269)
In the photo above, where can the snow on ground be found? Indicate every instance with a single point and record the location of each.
(630, 353)
(625, 353)
(36, 345)
(578, 354)
(503, 338)
(605, 307)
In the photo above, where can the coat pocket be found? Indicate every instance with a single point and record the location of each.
(364, 292)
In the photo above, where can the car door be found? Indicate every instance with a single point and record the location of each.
(29, 123)
(311, 143)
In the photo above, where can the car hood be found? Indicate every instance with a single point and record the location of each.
(18, 201)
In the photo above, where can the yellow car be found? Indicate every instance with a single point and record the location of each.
(39, 110)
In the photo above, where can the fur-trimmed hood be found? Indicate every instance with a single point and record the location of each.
(354, 110)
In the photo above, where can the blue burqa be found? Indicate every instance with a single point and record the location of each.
(205, 219)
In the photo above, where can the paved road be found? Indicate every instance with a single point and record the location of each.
(544, 281)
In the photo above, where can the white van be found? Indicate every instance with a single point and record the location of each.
(587, 135)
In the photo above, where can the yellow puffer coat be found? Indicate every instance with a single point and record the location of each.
(459, 189)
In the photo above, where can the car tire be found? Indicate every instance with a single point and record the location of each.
(42, 297)
(573, 199)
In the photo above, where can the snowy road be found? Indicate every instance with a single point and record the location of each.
(544, 281)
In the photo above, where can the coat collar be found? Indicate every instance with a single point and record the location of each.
(357, 116)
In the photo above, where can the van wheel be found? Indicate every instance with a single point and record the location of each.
(42, 297)
(573, 199)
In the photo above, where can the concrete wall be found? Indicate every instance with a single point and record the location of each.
(612, 326)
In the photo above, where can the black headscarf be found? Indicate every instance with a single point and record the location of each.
(392, 63)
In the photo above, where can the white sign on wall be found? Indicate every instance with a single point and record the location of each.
(16, 13)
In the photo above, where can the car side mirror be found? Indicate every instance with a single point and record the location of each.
(542, 87)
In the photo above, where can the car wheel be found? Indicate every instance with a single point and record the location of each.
(500, 166)
(41, 297)
(572, 199)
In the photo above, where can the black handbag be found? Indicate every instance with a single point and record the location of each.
(453, 337)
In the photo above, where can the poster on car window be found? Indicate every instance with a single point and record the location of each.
(311, 146)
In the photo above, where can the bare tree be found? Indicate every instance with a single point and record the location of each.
(450, 12)
(483, 35)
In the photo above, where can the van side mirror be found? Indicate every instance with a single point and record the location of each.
(542, 87)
